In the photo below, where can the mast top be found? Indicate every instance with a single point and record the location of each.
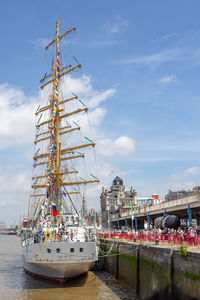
(61, 36)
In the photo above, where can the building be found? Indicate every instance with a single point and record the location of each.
(142, 201)
(181, 194)
(116, 199)
(84, 210)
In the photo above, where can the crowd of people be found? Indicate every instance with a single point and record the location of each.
(56, 236)
(169, 235)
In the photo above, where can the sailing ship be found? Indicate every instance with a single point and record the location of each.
(56, 243)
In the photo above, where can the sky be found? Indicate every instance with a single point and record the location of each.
(139, 77)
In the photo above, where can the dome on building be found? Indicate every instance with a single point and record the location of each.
(117, 181)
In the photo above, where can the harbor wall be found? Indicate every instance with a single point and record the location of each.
(145, 268)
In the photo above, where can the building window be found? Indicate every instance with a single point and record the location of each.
(81, 249)
(71, 249)
(48, 250)
(58, 250)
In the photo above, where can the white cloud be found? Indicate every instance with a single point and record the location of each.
(17, 110)
(178, 186)
(186, 173)
(82, 87)
(103, 43)
(116, 25)
(17, 116)
(97, 98)
(12, 181)
(168, 55)
(41, 42)
(17, 119)
(184, 180)
(157, 58)
(169, 35)
(14, 186)
(121, 146)
(167, 79)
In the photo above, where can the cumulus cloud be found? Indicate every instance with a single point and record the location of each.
(17, 116)
(82, 86)
(17, 110)
(18, 119)
(121, 146)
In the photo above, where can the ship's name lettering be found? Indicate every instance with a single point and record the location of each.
(37, 259)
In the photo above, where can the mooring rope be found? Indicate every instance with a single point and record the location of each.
(128, 251)
(107, 252)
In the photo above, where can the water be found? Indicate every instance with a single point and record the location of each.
(16, 284)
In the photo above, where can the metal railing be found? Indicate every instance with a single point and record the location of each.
(167, 239)
(161, 206)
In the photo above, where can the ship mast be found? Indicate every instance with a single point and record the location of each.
(58, 144)
(54, 176)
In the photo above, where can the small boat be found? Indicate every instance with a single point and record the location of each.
(11, 232)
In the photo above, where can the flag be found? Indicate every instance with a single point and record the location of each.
(45, 209)
(155, 196)
(136, 223)
(54, 209)
(111, 172)
(108, 216)
(44, 77)
(132, 210)
(64, 194)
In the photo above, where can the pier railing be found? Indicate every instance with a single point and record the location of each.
(167, 239)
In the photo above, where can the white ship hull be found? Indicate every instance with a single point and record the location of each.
(55, 260)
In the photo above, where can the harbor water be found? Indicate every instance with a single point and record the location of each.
(16, 284)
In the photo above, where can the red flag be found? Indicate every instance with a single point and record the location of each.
(54, 210)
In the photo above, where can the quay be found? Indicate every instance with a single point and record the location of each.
(137, 246)
(148, 267)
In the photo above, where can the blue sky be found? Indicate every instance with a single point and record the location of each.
(141, 58)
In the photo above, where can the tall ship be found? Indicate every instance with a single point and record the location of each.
(56, 242)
